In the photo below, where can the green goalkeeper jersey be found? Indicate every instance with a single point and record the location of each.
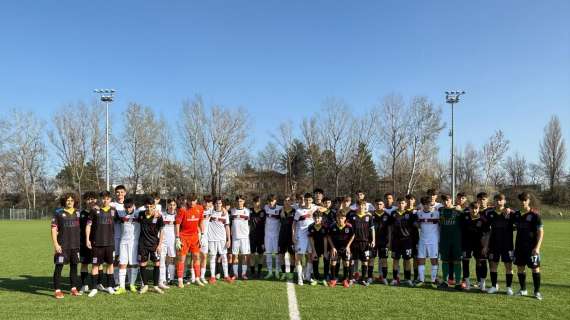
(450, 224)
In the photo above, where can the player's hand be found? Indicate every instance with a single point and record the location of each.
(158, 248)
(157, 214)
(58, 248)
(373, 244)
(295, 240)
(178, 244)
(485, 251)
(333, 253)
(313, 256)
(228, 243)
(348, 251)
(88, 244)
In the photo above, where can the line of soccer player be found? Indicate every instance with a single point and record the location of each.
(301, 231)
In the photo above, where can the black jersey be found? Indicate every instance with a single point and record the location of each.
(319, 234)
(362, 226)
(256, 226)
(402, 226)
(329, 217)
(382, 221)
(472, 227)
(102, 228)
(502, 227)
(286, 228)
(150, 229)
(340, 236)
(68, 230)
(83, 218)
(527, 225)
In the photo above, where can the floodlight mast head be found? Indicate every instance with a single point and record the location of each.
(106, 94)
(452, 97)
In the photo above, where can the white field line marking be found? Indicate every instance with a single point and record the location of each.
(292, 299)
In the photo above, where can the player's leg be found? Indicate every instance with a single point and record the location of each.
(509, 277)
(155, 258)
(333, 271)
(396, 268)
(110, 270)
(123, 262)
(143, 262)
(59, 260)
(493, 265)
(299, 267)
(95, 262)
(521, 273)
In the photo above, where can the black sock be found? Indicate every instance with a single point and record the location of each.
(493, 279)
(364, 270)
(218, 267)
(509, 280)
(57, 276)
(332, 271)
(326, 268)
(155, 275)
(282, 268)
(252, 269)
(536, 281)
(345, 272)
(144, 276)
(384, 272)
(371, 270)
(416, 275)
(94, 281)
(99, 278)
(259, 267)
(84, 278)
(407, 274)
(316, 272)
(73, 275)
(395, 273)
(465, 264)
(484, 269)
(522, 280)
(451, 270)
(110, 280)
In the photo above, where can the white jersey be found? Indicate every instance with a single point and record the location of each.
(217, 226)
(272, 219)
(429, 226)
(169, 222)
(369, 207)
(391, 209)
(304, 218)
(120, 207)
(240, 223)
(130, 228)
(206, 221)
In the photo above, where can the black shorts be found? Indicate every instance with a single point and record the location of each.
(503, 255)
(256, 246)
(103, 255)
(525, 257)
(85, 255)
(380, 252)
(67, 256)
(473, 252)
(360, 250)
(341, 254)
(284, 248)
(402, 250)
(148, 253)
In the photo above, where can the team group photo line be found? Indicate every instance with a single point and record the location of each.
(116, 240)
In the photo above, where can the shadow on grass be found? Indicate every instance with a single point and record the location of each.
(30, 284)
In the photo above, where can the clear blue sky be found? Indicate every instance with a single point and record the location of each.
(280, 59)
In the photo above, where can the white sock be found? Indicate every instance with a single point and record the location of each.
(162, 273)
(300, 271)
(308, 270)
(133, 275)
(244, 269)
(212, 265)
(203, 272)
(235, 267)
(277, 263)
(171, 272)
(422, 271)
(192, 273)
(357, 266)
(225, 265)
(122, 277)
(287, 259)
(433, 273)
(116, 274)
(269, 262)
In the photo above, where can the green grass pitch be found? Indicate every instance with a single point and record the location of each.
(26, 291)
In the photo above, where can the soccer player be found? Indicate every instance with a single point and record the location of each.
(340, 237)
(530, 233)
(433, 196)
(150, 243)
(500, 245)
(389, 205)
(319, 196)
(382, 230)
(240, 237)
(302, 220)
(461, 202)
(428, 222)
(286, 246)
(317, 237)
(85, 254)
(272, 214)
(450, 223)
(361, 196)
(219, 239)
(168, 251)
(411, 207)
(208, 208)
(118, 205)
(65, 232)
(189, 226)
(403, 222)
(256, 236)
(128, 246)
(364, 238)
(482, 201)
(473, 229)
(100, 238)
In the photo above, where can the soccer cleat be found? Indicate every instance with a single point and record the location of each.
(75, 292)
(157, 290)
(482, 286)
(325, 283)
(121, 291)
(84, 289)
(229, 279)
(467, 284)
(385, 281)
(522, 293)
(408, 283)
(111, 290)
(509, 291)
(419, 283)
(395, 282)
(58, 294)
(370, 281)
(244, 276)
(451, 282)
(463, 285)
(92, 293)
(204, 281)
(268, 276)
(364, 283)
(493, 290)
(144, 289)
(300, 281)
(283, 276)
(212, 280)
(458, 287)
(163, 286)
(313, 282)
(233, 278)
(180, 283)
(346, 283)
(100, 287)
(218, 276)
(199, 282)
(333, 283)
(443, 286)
(538, 296)
(356, 275)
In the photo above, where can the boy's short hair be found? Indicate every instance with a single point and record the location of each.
(129, 203)
(90, 195)
(499, 196)
(170, 200)
(425, 200)
(67, 195)
(319, 190)
(341, 214)
(155, 195)
(308, 196)
(445, 197)
(272, 197)
(431, 192)
(240, 197)
(346, 198)
(325, 199)
(120, 187)
(359, 191)
(317, 214)
(410, 196)
(256, 199)
(461, 195)
(524, 196)
(378, 200)
(473, 205)
(400, 199)
(216, 199)
(362, 203)
(208, 198)
(105, 194)
(482, 195)
(148, 201)
(192, 197)
(388, 194)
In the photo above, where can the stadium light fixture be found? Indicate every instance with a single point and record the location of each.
(452, 97)
(107, 96)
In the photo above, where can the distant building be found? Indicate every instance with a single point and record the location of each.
(251, 183)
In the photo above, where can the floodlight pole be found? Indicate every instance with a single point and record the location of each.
(107, 97)
(452, 97)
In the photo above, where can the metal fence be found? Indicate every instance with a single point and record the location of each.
(25, 214)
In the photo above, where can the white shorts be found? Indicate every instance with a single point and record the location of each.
(129, 253)
(241, 246)
(204, 245)
(271, 242)
(169, 245)
(303, 245)
(217, 247)
(427, 251)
